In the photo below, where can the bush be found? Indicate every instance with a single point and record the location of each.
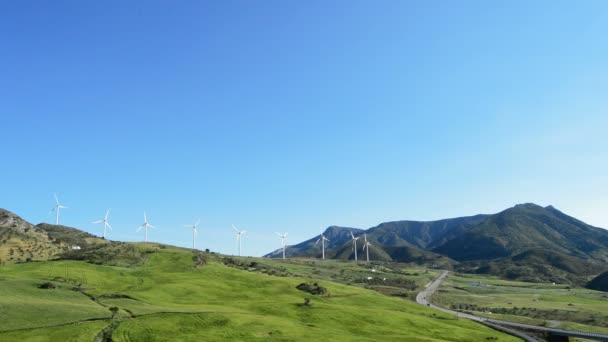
(47, 286)
(314, 289)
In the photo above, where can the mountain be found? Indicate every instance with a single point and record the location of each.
(526, 241)
(599, 283)
(420, 234)
(525, 227)
(337, 236)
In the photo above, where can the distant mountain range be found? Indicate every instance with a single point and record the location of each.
(526, 242)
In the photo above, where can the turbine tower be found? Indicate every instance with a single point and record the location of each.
(105, 223)
(238, 237)
(194, 232)
(56, 209)
(354, 244)
(145, 227)
(366, 246)
(283, 237)
(322, 239)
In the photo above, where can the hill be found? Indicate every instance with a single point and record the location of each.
(599, 283)
(538, 265)
(525, 227)
(338, 237)
(420, 234)
(526, 241)
(171, 297)
(21, 241)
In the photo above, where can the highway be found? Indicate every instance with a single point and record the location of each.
(424, 297)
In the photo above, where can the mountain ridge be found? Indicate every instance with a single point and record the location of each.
(517, 239)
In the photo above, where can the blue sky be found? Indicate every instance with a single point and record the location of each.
(296, 115)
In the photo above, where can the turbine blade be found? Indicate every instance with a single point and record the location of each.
(233, 227)
(109, 225)
(140, 228)
(97, 221)
(351, 235)
(56, 199)
(317, 242)
(107, 213)
(151, 226)
(197, 222)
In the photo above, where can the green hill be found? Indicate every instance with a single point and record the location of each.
(538, 265)
(171, 297)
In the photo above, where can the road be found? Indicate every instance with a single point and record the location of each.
(424, 297)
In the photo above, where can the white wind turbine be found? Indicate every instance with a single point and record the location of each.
(354, 244)
(238, 237)
(366, 246)
(145, 227)
(105, 223)
(283, 237)
(322, 239)
(56, 209)
(194, 232)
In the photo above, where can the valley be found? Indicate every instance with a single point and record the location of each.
(169, 295)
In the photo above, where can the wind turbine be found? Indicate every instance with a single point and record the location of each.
(56, 209)
(366, 246)
(322, 239)
(194, 232)
(145, 227)
(354, 244)
(238, 237)
(105, 223)
(283, 237)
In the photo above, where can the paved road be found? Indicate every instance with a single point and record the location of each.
(424, 296)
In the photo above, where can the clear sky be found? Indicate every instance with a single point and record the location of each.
(297, 115)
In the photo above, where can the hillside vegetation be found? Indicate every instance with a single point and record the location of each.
(21, 241)
(526, 242)
(599, 283)
(175, 295)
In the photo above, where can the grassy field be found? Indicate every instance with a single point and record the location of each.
(544, 304)
(166, 298)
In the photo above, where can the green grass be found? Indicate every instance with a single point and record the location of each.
(75, 332)
(24, 305)
(167, 299)
(525, 302)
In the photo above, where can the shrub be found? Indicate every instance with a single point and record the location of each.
(314, 289)
(47, 286)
